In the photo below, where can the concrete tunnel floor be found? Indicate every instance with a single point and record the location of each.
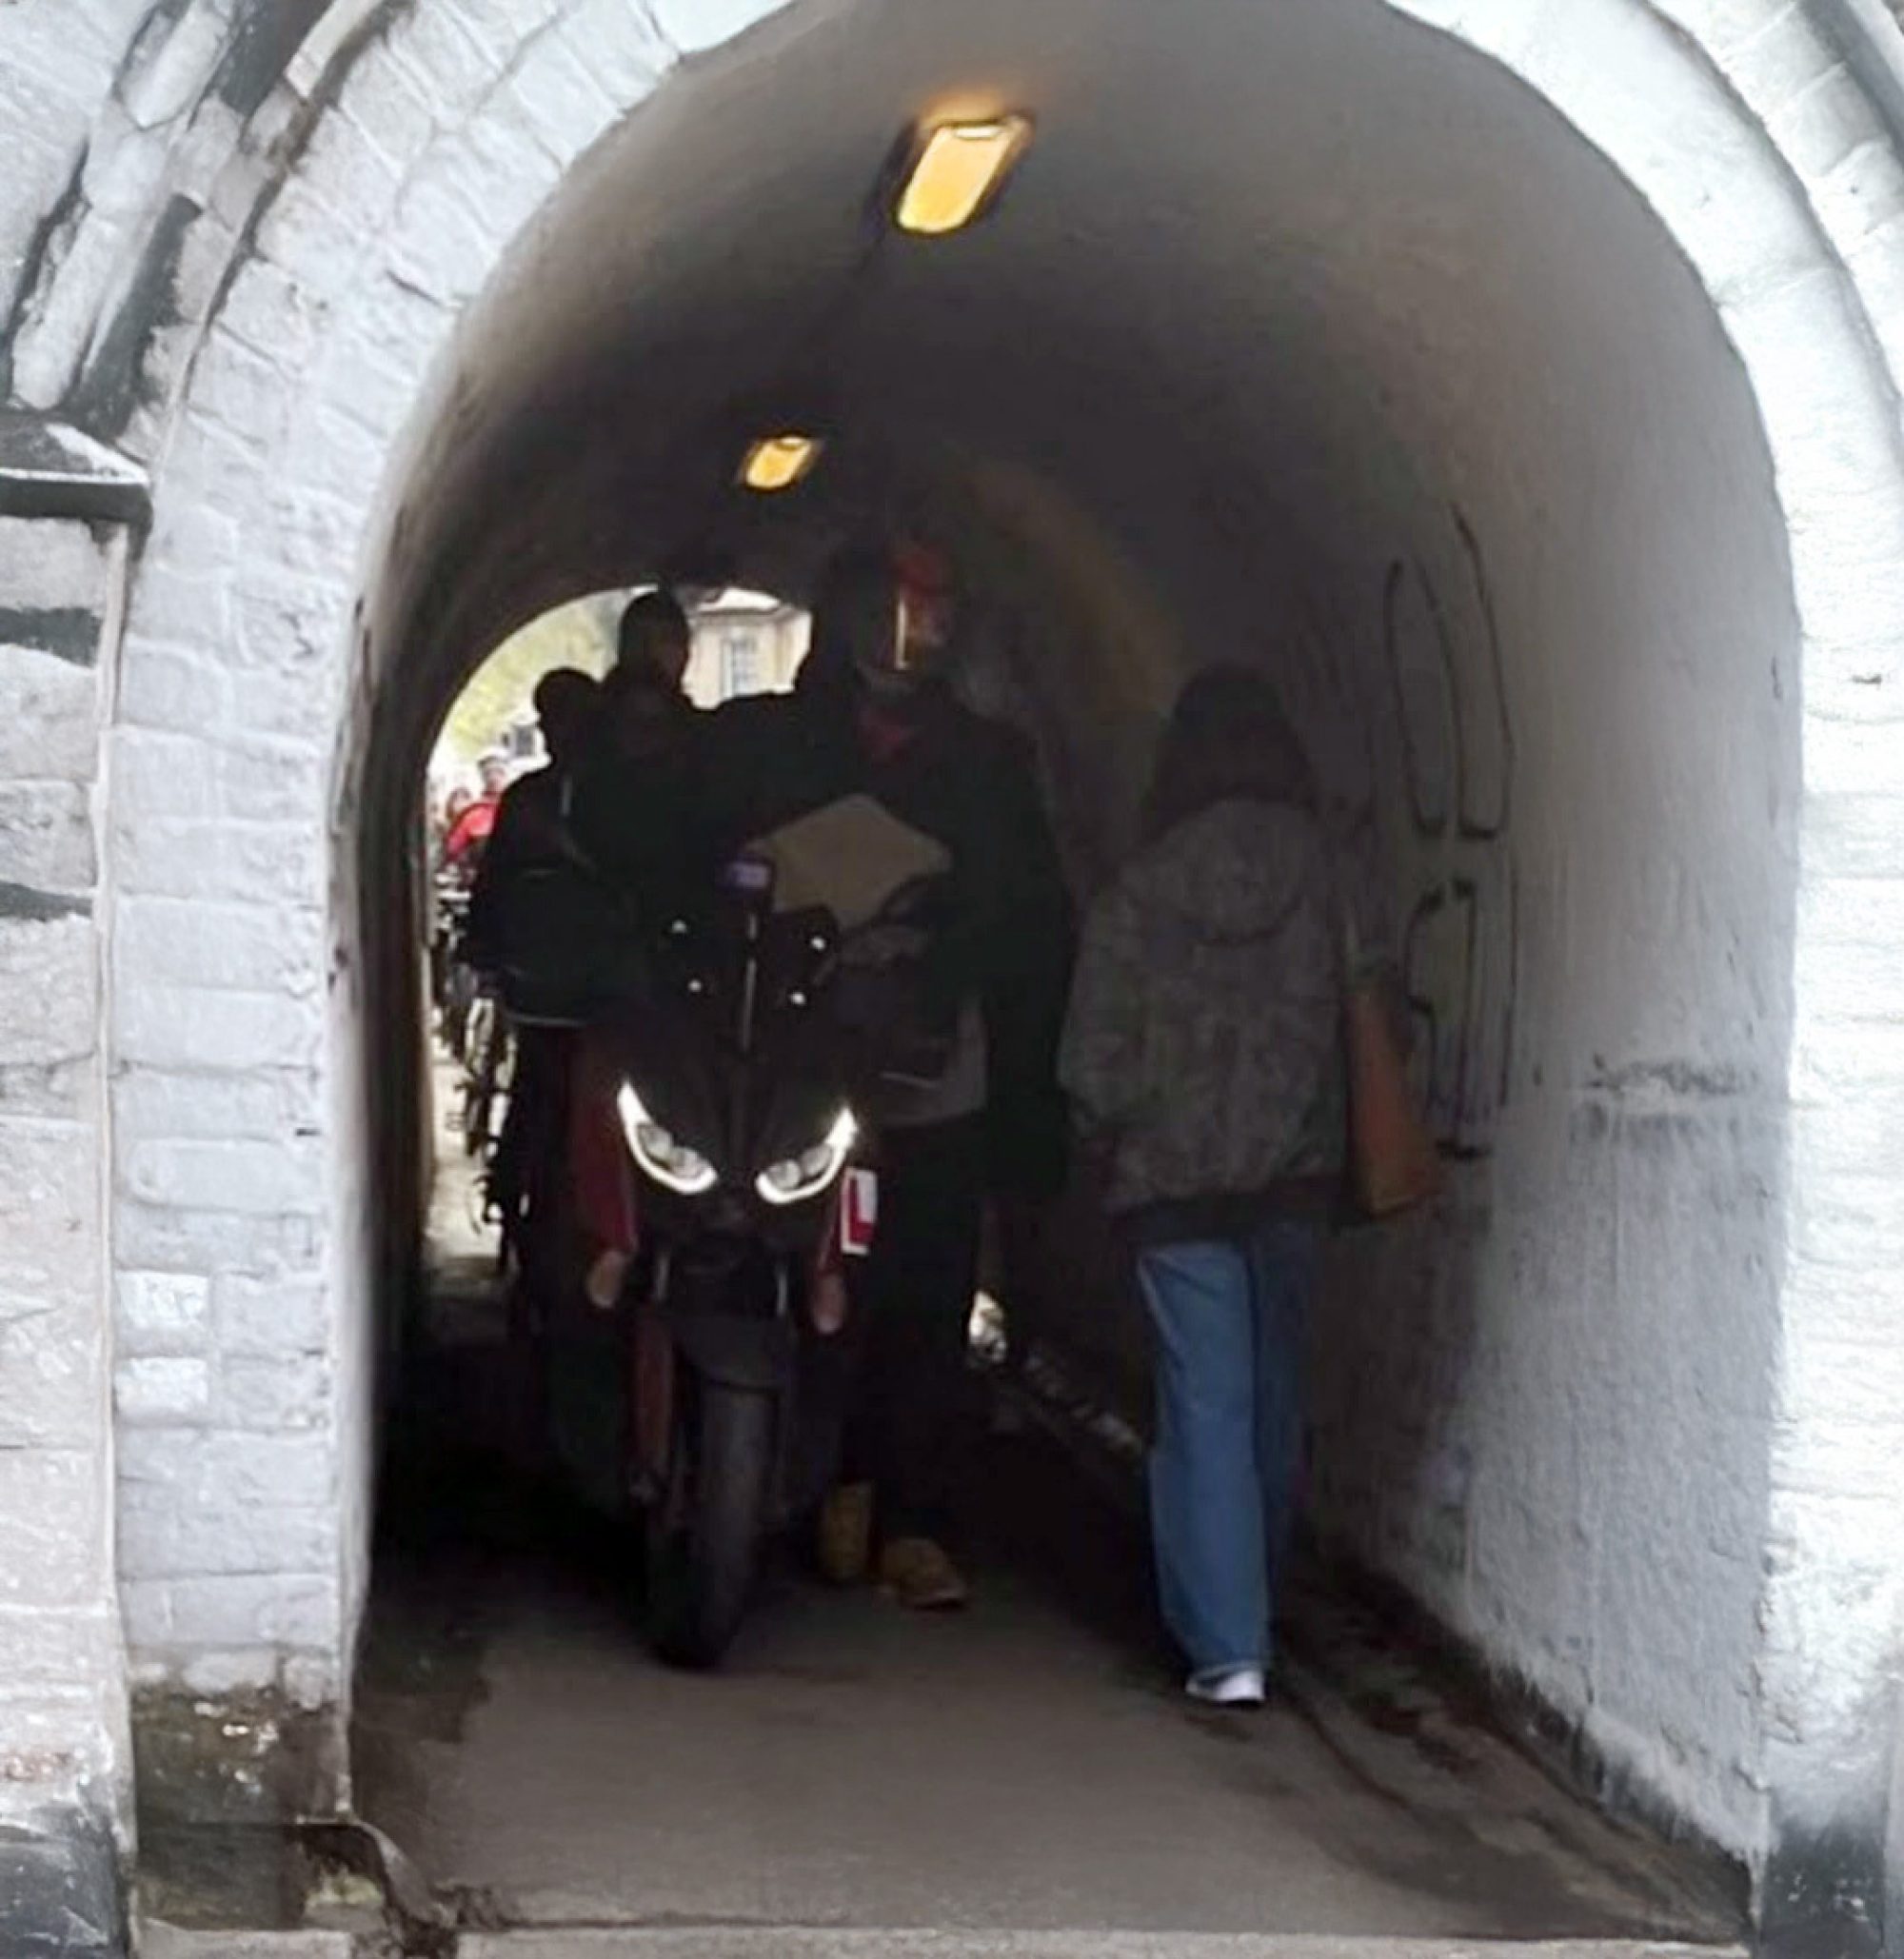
(1026, 1765)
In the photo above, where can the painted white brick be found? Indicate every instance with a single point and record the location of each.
(619, 46)
(311, 532)
(441, 246)
(54, 1511)
(449, 69)
(228, 859)
(52, 565)
(395, 326)
(270, 1103)
(146, 1607)
(273, 315)
(46, 835)
(281, 1395)
(314, 244)
(695, 26)
(272, 1318)
(197, 531)
(168, 1237)
(170, 1387)
(239, 388)
(170, 687)
(48, 716)
(272, 782)
(507, 169)
(205, 1469)
(286, 704)
(384, 100)
(168, 79)
(503, 28)
(286, 621)
(42, 1647)
(48, 992)
(334, 456)
(179, 606)
(1851, 1223)
(246, 1611)
(189, 941)
(51, 1241)
(164, 774)
(356, 174)
(203, 1027)
(162, 1313)
(160, 1538)
(53, 1359)
(253, 1178)
(568, 103)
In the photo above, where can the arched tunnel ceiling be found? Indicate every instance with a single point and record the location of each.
(1252, 297)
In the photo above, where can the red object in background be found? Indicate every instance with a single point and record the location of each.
(471, 828)
(926, 588)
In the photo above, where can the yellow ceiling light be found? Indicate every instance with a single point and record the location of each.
(778, 461)
(958, 168)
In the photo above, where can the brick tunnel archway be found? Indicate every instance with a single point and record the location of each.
(329, 363)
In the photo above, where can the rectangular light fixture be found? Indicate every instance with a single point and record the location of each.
(778, 461)
(960, 168)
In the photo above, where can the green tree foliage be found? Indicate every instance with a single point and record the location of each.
(497, 694)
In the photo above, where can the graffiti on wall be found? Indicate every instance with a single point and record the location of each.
(1458, 945)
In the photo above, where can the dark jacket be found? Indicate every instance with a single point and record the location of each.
(969, 783)
(530, 832)
(643, 823)
(1204, 1041)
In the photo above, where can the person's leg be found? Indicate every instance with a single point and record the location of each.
(915, 1295)
(1205, 1498)
(1284, 1256)
(603, 1180)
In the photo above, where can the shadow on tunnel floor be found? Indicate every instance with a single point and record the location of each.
(1376, 1795)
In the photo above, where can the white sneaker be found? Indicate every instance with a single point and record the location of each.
(1228, 1687)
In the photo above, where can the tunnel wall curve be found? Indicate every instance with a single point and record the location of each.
(237, 1129)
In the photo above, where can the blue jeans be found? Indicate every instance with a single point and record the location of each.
(1230, 1316)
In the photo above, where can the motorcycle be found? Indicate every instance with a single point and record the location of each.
(744, 1050)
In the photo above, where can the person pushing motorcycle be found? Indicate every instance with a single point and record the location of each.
(873, 715)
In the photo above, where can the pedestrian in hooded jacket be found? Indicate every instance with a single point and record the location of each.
(1202, 1050)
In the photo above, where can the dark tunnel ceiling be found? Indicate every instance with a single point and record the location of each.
(1242, 290)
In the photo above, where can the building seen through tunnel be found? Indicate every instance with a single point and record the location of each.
(1516, 388)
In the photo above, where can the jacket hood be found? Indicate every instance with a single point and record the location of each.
(1232, 873)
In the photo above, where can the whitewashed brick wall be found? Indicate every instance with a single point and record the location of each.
(241, 1243)
(63, 1740)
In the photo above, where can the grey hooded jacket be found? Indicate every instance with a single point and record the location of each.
(1204, 1036)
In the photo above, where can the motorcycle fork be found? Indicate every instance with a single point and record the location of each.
(651, 1393)
(658, 1397)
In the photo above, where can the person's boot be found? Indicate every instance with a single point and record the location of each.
(918, 1574)
(844, 1540)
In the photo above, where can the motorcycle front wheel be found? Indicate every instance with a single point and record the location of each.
(704, 1535)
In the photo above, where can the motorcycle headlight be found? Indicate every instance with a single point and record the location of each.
(672, 1164)
(795, 1179)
